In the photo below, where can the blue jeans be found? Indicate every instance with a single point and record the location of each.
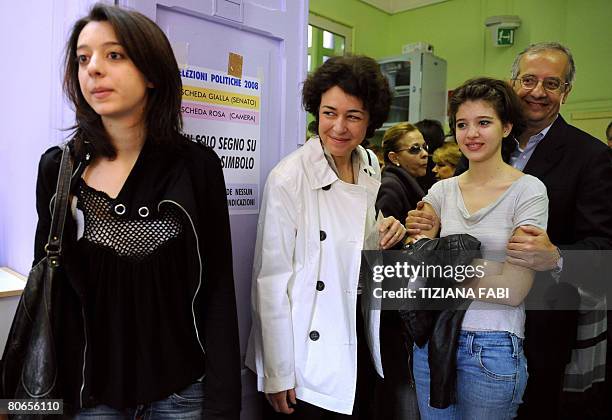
(186, 405)
(491, 377)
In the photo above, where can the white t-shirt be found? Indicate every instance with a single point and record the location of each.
(524, 203)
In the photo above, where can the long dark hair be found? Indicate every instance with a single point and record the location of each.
(150, 51)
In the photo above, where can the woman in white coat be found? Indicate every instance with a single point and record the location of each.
(308, 344)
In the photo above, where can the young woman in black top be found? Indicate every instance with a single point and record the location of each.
(147, 325)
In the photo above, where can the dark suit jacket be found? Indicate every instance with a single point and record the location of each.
(577, 171)
(398, 194)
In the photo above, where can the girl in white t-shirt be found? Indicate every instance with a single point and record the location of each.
(490, 201)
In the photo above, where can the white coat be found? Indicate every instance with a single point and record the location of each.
(311, 230)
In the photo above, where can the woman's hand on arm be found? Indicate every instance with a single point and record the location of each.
(391, 232)
(280, 401)
(422, 222)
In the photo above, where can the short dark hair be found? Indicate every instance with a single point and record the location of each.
(150, 51)
(358, 76)
(496, 93)
(432, 132)
(392, 137)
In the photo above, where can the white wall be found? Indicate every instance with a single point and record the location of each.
(25, 74)
(32, 112)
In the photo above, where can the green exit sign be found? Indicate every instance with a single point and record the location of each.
(505, 36)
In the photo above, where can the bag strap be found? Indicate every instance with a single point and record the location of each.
(60, 208)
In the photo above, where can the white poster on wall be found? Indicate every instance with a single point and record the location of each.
(222, 112)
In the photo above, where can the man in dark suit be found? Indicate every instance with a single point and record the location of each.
(577, 171)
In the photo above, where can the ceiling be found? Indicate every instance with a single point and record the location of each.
(396, 6)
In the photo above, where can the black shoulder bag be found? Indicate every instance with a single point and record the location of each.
(29, 366)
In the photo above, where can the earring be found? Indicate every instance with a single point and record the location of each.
(397, 164)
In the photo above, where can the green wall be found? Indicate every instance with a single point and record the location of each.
(370, 25)
(456, 30)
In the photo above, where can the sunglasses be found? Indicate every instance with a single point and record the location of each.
(415, 149)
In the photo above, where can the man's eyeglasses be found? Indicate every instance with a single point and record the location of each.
(415, 149)
(551, 84)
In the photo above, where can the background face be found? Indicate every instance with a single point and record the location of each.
(415, 165)
(444, 170)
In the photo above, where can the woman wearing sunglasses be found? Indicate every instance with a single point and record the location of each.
(405, 154)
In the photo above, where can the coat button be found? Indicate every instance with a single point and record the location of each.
(322, 235)
(314, 335)
(320, 285)
(327, 187)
